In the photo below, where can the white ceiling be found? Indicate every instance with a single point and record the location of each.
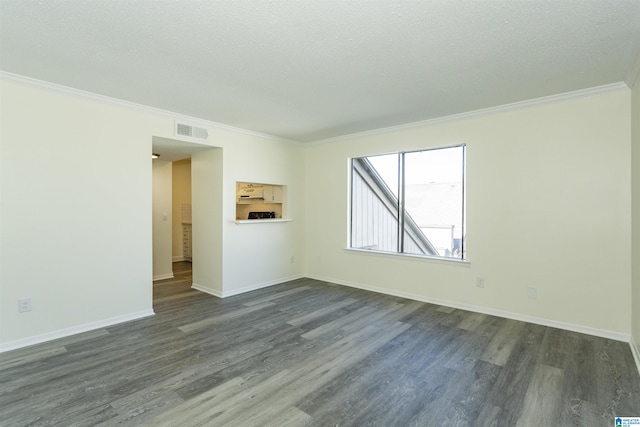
(311, 70)
(171, 150)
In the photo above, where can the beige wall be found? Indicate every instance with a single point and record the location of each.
(635, 159)
(162, 220)
(548, 206)
(181, 191)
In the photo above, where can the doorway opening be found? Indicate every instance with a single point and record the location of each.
(175, 226)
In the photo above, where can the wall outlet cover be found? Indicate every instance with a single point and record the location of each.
(24, 304)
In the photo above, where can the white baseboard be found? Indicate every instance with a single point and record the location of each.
(206, 290)
(246, 289)
(484, 310)
(635, 352)
(163, 276)
(260, 285)
(49, 336)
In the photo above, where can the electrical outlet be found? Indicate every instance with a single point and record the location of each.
(24, 304)
(293, 259)
(480, 282)
(532, 293)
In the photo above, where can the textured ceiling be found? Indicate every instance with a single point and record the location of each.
(313, 70)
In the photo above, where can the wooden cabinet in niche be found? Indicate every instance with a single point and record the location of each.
(186, 241)
(261, 200)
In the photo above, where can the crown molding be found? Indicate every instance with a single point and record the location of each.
(57, 88)
(613, 87)
(103, 99)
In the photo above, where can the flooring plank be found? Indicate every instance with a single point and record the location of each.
(542, 397)
(499, 349)
(339, 323)
(275, 296)
(227, 317)
(310, 375)
(306, 318)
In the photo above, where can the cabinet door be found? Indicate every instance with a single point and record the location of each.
(186, 241)
(268, 193)
(277, 194)
(272, 193)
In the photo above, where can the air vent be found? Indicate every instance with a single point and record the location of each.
(191, 131)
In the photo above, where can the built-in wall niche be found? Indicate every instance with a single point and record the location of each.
(260, 202)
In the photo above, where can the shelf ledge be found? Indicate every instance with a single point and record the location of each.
(255, 221)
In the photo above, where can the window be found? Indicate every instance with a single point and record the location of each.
(410, 202)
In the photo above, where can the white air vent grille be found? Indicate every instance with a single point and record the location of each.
(191, 131)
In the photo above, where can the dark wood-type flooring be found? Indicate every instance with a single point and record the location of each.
(312, 353)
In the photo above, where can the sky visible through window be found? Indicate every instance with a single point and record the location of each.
(438, 165)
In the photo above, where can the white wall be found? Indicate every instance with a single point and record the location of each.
(207, 208)
(548, 206)
(252, 255)
(635, 138)
(263, 251)
(162, 219)
(76, 212)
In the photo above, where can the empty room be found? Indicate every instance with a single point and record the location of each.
(320, 213)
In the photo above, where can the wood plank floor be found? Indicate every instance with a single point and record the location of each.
(312, 353)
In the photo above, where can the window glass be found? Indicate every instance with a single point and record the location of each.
(433, 196)
(374, 208)
(411, 202)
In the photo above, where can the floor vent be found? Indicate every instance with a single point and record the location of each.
(191, 131)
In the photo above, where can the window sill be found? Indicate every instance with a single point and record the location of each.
(261, 221)
(437, 260)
